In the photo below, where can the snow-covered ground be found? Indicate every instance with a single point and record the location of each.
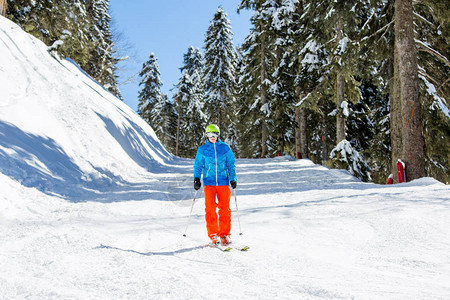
(93, 207)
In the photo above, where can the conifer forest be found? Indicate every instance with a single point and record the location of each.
(353, 85)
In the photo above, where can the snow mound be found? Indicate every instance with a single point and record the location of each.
(60, 131)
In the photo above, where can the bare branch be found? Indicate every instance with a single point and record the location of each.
(435, 82)
(442, 85)
(425, 74)
(423, 19)
(384, 28)
(425, 48)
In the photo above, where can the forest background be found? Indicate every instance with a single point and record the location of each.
(352, 84)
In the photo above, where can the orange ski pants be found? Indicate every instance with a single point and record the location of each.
(217, 224)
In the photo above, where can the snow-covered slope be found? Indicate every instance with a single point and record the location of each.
(61, 132)
(93, 207)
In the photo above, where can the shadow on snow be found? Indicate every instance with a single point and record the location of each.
(39, 162)
(163, 253)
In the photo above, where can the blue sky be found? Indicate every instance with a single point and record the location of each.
(166, 28)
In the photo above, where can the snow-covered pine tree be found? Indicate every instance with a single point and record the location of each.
(78, 29)
(376, 73)
(378, 57)
(379, 148)
(242, 148)
(379, 45)
(338, 27)
(361, 130)
(102, 64)
(283, 24)
(52, 21)
(152, 103)
(219, 72)
(247, 112)
(181, 97)
(259, 63)
(189, 103)
(344, 156)
(167, 125)
(432, 28)
(307, 61)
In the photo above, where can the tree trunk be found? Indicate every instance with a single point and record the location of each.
(396, 120)
(340, 119)
(178, 128)
(301, 142)
(222, 121)
(340, 88)
(281, 145)
(298, 148)
(303, 136)
(407, 73)
(263, 95)
(3, 6)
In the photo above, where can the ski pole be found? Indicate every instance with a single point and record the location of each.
(192, 207)
(237, 210)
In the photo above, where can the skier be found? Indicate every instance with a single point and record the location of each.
(216, 160)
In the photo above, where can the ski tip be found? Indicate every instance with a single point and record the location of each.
(220, 247)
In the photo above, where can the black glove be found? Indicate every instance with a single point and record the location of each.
(197, 183)
(233, 184)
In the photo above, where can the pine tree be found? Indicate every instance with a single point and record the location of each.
(74, 22)
(340, 23)
(283, 22)
(219, 72)
(377, 59)
(344, 156)
(308, 60)
(248, 144)
(152, 103)
(78, 29)
(102, 64)
(189, 100)
(431, 64)
(259, 66)
(432, 27)
(52, 21)
(379, 148)
(166, 126)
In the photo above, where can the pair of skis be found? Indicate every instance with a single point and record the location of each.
(228, 248)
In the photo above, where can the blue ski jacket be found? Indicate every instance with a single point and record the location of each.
(217, 163)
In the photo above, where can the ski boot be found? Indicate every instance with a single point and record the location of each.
(225, 240)
(215, 239)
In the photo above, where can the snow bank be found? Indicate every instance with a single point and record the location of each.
(60, 131)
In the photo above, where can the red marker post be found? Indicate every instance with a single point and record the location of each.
(401, 171)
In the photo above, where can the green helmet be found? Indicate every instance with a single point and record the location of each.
(212, 128)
